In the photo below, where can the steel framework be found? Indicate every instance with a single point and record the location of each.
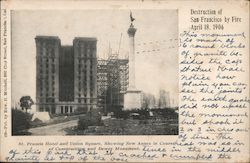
(112, 82)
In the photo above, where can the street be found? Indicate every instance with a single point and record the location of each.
(54, 129)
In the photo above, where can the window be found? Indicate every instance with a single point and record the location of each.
(88, 52)
(71, 109)
(62, 109)
(66, 109)
(53, 110)
(53, 69)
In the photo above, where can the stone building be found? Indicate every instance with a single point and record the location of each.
(65, 75)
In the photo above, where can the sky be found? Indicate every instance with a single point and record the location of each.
(156, 44)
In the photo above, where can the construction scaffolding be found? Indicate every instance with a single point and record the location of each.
(112, 82)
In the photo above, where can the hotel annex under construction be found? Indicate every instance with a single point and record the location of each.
(112, 82)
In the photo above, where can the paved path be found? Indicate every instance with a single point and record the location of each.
(54, 129)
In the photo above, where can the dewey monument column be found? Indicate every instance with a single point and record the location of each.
(132, 98)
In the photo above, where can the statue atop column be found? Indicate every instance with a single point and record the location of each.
(131, 30)
(132, 98)
(131, 17)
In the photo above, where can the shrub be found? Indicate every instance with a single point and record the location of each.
(20, 121)
(84, 122)
(121, 114)
(92, 118)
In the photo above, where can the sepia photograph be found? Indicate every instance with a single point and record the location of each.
(94, 72)
(124, 81)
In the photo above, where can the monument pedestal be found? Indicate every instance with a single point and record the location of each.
(132, 99)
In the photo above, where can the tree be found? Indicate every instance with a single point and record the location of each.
(20, 122)
(26, 102)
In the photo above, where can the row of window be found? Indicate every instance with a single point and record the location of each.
(47, 100)
(85, 88)
(85, 101)
(85, 66)
(47, 47)
(85, 94)
(66, 109)
(46, 88)
(84, 85)
(84, 77)
(47, 66)
(47, 94)
(84, 52)
(85, 61)
(47, 53)
(46, 59)
(85, 45)
(47, 71)
(45, 78)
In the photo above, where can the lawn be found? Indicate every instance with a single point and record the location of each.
(130, 127)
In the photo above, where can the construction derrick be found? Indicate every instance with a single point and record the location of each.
(112, 82)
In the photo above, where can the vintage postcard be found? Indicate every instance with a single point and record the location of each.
(124, 81)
